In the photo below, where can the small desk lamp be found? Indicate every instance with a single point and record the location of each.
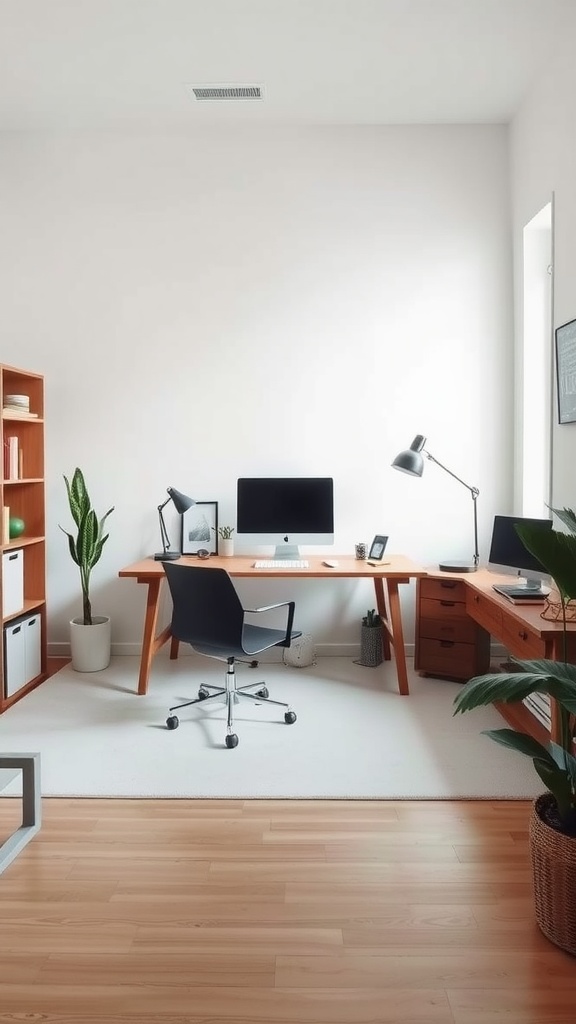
(181, 503)
(411, 461)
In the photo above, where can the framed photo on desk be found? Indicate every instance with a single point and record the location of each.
(377, 548)
(200, 528)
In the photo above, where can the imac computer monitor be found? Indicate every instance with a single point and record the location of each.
(286, 512)
(507, 551)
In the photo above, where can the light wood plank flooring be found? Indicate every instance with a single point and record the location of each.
(284, 912)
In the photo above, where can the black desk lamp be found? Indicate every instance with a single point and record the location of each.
(181, 503)
(411, 461)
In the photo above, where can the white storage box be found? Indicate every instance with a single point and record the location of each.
(22, 652)
(12, 582)
(14, 658)
(31, 626)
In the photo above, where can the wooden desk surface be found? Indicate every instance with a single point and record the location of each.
(524, 614)
(395, 567)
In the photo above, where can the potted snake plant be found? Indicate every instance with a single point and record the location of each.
(90, 635)
(553, 819)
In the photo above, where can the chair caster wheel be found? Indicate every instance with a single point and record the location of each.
(290, 717)
(232, 740)
(263, 692)
(172, 722)
(202, 693)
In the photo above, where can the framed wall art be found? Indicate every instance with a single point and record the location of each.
(566, 372)
(200, 528)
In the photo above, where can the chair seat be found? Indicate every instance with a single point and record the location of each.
(254, 640)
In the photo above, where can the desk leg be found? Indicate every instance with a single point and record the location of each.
(150, 642)
(393, 632)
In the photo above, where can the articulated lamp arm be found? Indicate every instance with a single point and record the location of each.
(473, 491)
(163, 531)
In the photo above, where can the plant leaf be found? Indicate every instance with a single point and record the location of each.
(552, 677)
(556, 551)
(558, 782)
(566, 516)
(521, 742)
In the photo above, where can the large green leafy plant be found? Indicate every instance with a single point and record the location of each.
(86, 546)
(554, 761)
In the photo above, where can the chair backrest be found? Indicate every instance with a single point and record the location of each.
(206, 607)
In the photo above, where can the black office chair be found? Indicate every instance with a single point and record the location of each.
(208, 615)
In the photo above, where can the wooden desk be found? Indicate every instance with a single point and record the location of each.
(518, 627)
(397, 570)
(525, 634)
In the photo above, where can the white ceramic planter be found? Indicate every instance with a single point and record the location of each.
(226, 548)
(90, 645)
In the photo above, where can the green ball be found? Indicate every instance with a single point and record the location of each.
(16, 527)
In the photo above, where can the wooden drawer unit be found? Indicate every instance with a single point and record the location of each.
(448, 642)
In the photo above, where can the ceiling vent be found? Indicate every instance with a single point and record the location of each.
(205, 93)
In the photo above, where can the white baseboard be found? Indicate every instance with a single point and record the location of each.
(62, 650)
(328, 650)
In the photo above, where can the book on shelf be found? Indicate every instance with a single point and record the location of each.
(5, 524)
(12, 456)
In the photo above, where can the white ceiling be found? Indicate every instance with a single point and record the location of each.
(128, 63)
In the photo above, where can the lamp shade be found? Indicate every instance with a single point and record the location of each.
(411, 460)
(181, 501)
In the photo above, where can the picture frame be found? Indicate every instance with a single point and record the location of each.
(200, 528)
(565, 336)
(377, 548)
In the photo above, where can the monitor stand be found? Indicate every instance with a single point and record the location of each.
(528, 583)
(288, 551)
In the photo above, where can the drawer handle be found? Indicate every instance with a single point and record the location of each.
(523, 635)
(446, 643)
(448, 584)
(447, 604)
(476, 598)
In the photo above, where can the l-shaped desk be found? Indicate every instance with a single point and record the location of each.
(386, 577)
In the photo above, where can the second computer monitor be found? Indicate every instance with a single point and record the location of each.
(286, 512)
(508, 552)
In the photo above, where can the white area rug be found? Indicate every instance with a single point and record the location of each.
(355, 736)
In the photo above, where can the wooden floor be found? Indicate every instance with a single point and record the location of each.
(284, 912)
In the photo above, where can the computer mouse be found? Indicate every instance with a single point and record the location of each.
(331, 563)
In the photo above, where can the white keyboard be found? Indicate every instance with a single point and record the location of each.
(281, 563)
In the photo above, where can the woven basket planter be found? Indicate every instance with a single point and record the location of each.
(371, 646)
(554, 876)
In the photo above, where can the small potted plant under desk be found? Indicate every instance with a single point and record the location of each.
(90, 635)
(371, 640)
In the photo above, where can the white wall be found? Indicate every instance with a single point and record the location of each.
(263, 302)
(543, 163)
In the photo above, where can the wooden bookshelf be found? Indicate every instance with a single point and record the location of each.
(23, 493)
